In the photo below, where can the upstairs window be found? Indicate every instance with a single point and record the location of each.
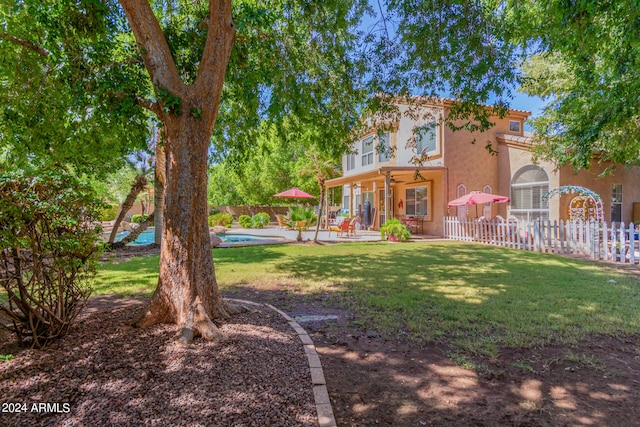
(384, 148)
(514, 126)
(367, 151)
(351, 161)
(426, 139)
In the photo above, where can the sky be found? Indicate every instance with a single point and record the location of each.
(522, 101)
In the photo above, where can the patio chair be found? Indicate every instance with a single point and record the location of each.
(341, 228)
(282, 222)
(353, 224)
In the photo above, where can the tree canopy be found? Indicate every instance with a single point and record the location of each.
(62, 73)
(583, 56)
(586, 63)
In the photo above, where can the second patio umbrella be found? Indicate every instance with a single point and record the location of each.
(294, 193)
(477, 198)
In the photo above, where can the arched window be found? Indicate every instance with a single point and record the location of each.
(486, 209)
(528, 185)
(462, 210)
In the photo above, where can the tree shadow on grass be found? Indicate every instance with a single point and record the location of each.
(374, 380)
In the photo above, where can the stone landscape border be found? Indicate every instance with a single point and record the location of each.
(320, 393)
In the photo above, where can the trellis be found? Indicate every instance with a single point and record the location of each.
(586, 198)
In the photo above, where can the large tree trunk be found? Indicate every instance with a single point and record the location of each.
(187, 292)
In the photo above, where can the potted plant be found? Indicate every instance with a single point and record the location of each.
(394, 231)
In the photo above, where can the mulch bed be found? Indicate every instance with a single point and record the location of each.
(105, 373)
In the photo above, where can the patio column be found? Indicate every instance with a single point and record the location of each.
(351, 210)
(326, 207)
(387, 195)
(375, 206)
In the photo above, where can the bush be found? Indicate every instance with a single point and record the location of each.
(395, 228)
(48, 245)
(261, 220)
(245, 221)
(138, 219)
(220, 218)
(110, 212)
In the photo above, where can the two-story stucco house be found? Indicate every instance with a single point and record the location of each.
(381, 173)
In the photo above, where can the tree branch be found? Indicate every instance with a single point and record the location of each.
(215, 57)
(27, 44)
(153, 45)
(152, 106)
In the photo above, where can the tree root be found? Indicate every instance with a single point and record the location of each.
(196, 324)
(234, 308)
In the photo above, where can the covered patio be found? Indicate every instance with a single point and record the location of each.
(415, 195)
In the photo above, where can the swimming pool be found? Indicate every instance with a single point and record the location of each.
(147, 238)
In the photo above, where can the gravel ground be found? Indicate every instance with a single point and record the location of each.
(104, 373)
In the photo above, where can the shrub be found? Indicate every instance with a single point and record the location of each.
(138, 219)
(245, 221)
(110, 212)
(220, 218)
(395, 228)
(261, 220)
(48, 247)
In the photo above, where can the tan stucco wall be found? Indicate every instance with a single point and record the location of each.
(473, 166)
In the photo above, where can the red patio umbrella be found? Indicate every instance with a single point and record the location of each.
(294, 193)
(477, 198)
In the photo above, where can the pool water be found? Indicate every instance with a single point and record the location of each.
(147, 237)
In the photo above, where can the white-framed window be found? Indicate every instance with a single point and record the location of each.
(461, 211)
(514, 126)
(417, 201)
(486, 209)
(384, 147)
(367, 151)
(426, 140)
(528, 186)
(616, 202)
(351, 161)
(345, 203)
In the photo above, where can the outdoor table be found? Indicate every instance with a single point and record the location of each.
(414, 223)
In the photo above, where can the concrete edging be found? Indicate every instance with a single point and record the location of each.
(320, 393)
(319, 384)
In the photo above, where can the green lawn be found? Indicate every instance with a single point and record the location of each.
(478, 298)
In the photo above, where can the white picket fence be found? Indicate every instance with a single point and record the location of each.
(598, 240)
